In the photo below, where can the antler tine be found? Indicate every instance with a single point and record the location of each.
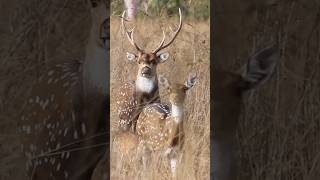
(129, 33)
(161, 43)
(173, 38)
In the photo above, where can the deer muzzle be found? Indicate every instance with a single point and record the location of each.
(146, 72)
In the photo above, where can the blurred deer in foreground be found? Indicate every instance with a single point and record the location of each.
(63, 125)
(228, 90)
(160, 128)
(144, 90)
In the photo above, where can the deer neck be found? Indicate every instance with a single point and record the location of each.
(147, 90)
(177, 125)
(146, 85)
(177, 112)
(96, 65)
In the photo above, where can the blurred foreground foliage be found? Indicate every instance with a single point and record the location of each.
(192, 9)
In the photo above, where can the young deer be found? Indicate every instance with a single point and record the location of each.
(135, 95)
(63, 125)
(160, 127)
(228, 90)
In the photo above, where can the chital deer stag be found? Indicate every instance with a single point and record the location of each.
(228, 90)
(63, 125)
(160, 128)
(134, 95)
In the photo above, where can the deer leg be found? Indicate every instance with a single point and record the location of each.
(146, 156)
(173, 158)
(119, 164)
(173, 166)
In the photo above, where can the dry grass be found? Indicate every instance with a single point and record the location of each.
(189, 53)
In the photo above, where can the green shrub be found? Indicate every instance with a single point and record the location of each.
(197, 9)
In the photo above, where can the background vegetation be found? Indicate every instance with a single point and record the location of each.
(194, 9)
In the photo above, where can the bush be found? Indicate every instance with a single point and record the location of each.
(198, 9)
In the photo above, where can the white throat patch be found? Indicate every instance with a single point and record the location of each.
(145, 85)
(176, 113)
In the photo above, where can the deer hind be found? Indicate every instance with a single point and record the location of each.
(160, 127)
(66, 111)
(135, 95)
(228, 89)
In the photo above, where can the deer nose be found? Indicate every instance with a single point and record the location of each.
(146, 71)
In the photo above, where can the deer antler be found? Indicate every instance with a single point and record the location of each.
(129, 33)
(161, 46)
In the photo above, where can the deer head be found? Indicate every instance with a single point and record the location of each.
(147, 62)
(228, 90)
(177, 91)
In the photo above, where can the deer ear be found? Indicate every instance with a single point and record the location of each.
(260, 67)
(191, 81)
(163, 81)
(163, 57)
(131, 56)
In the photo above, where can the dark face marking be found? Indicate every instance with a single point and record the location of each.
(147, 63)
